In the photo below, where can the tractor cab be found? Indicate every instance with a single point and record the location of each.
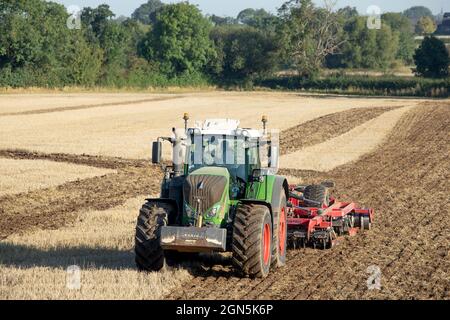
(221, 143)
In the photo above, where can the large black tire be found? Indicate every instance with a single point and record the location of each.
(252, 240)
(317, 193)
(149, 255)
(280, 233)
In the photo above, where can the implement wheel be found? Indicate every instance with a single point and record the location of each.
(252, 240)
(317, 193)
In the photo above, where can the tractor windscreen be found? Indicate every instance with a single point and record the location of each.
(238, 154)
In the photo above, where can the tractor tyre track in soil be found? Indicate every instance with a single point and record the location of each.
(406, 180)
(90, 106)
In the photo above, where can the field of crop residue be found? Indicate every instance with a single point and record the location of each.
(75, 169)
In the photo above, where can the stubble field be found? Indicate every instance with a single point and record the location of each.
(74, 170)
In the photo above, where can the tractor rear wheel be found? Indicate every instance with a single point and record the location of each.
(280, 233)
(317, 193)
(149, 255)
(252, 240)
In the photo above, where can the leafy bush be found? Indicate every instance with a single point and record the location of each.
(179, 40)
(432, 59)
(243, 53)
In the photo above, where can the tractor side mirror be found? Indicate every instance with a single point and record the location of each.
(257, 176)
(156, 152)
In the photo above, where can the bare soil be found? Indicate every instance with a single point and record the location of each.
(326, 127)
(347, 147)
(54, 207)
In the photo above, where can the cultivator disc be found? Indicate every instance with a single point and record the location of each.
(319, 226)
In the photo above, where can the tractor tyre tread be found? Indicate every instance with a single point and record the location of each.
(149, 256)
(247, 239)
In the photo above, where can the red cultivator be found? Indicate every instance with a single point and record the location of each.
(317, 220)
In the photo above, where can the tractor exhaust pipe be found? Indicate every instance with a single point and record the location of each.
(264, 122)
(186, 119)
(179, 151)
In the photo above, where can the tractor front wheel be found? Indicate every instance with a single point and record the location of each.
(149, 255)
(253, 240)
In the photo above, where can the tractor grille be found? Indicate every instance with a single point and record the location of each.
(208, 189)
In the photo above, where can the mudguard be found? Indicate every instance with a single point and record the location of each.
(279, 185)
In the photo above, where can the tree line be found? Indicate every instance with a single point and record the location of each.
(175, 44)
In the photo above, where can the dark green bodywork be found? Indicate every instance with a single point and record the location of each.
(266, 190)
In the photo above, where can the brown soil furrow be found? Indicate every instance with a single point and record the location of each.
(55, 207)
(327, 127)
(93, 161)
(81, 107)
(221, 290)
(261, 289)
(407, 181)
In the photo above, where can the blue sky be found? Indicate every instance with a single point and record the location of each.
(233, 7)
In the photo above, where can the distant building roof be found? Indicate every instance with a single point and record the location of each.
(444, 27)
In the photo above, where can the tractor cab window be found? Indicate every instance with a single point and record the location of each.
(238, 154)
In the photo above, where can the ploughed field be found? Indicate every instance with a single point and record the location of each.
(75, 169)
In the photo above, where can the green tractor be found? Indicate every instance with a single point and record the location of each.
(221, 194)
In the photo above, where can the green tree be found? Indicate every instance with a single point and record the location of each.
(386, 48)
(83, 61)
(367, 48)
(146, 13)
(415, 13)
(25, 28)
(309, 35)
(179, 40)
(401, 26)
(116, 40)
(257, 18)
(425, 25)
(243, 52)
(35, 44)
(432, 58)
(348, 12)
(220, 21)
(96, 21)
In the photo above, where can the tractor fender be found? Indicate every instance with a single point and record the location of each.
(163, 200)
(280, 184)
(260, 202)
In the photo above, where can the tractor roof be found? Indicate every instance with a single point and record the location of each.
(228, 127)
